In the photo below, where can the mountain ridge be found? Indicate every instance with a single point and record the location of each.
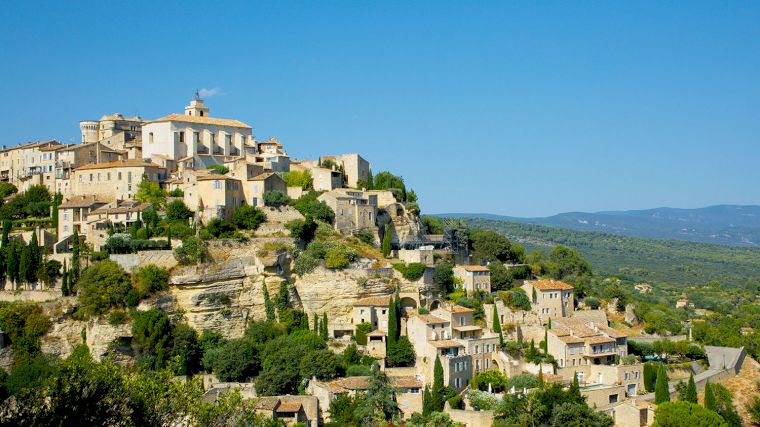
(726, 224)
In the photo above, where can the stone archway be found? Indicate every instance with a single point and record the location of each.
(435, 304)
(408, 303)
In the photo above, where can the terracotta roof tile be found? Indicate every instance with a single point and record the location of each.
(475, 268)
(288, 407)
(430, 319)
(119, 164)
(203, 120)
(445, 343)
(381, 301)
(550, 285)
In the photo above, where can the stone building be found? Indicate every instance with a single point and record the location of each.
(432, 339)
(475, 278)
(550, 299)
(111, 128)
(290, 410)
(372, 310)
(26, 164)
(119, 214)
(577, 343)
(117, 180)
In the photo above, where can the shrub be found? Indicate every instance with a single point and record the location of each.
(592, 303)
(521, 381)
(220, 169)
(358, 371)
(219, 228)
(302, 229)
(366, 236)
(494, 378)
(300, 179)
(191, 251)
(362, 329)
(338, 257)
(275, 198)
(305, 264)
(248, 217)
(322, 364)
(99, 255)
(309, 206)
(412, 271)
(103, 285)
(237, 361)
(117, 317)
(177, 192)
(177, 211)
(150, 279)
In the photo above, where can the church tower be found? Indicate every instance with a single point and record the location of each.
(196, 107)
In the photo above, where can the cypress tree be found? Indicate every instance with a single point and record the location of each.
(497, 326)
(393, 332)
(575, 388)
(427, 401)
(282, 297)
(549, 326)
(268, 305)
(691, 390)
(26, 265)
(169, 236)
(54, 214)
(75, 264)
(546, 342)
(649, 377)
(387, 241)
(437, 392)
(65, 284)
(12, 262)
(324, 326)
(7, 225)
(540, 378)
(316, 323)
(661, 391)
(710, 402)
(35, 258)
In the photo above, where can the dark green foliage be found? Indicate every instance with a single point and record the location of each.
(102, 286)
(323, 327)
(393, 323)
(276, 198)
(753, 408)
(379, 403)
(192, 251)
(150, 279)
(578, 414)
(386, 247)
(432, 225)
(268, 304)
(443, 277)
(427, 401)
(302, 229)
(358, 371)
(177, 210)
(237, 361)
(220, 229)
(76, 263)
(412, 271)
(322, 364)
(724, 405)
(592, 303)
(686, 414)
(151, 337)
(401, 353)
(34, 202)
(185, 345)
(362, 329)
(650, 376)
(366, 236)
(690, 393)
(31, 260)
(496, 326)
(7, 189)
(494, 378)
(491, 246)
(710, 402)
(437, 391)
(309, 206)
(387, 181)
(219, 169)
(24, 324)
(248, 217)
(661, 392)
(283, 297)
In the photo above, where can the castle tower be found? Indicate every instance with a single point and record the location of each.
(196, 107)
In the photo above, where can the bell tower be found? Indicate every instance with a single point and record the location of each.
(196, 107)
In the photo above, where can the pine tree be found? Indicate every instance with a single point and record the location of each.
(691, 390)
(387, 241)
(438, 389)
(323, 332)
(393, 332)
(268, 304)
(427, 402)
(710, 402)
(661, 389)
(497, 326)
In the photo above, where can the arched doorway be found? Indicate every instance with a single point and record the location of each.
(408, 304)
(435, 305)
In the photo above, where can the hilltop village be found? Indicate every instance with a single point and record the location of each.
(304, 284)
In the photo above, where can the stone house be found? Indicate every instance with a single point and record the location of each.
(422, 255)
(355, 168)
(475, 278)
(120, 214)
(480, 344)
(290, 410)
(117, 180)
(255, 187)
(576, 343)
(72, 216)
(432, 339)
(353, 210)
(550, 299)
(111, 128)
(372, 310)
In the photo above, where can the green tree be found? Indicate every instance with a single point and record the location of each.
(151, 192)
(76, 263)
(753, 408)
(275, 198)
(379, 402)
(12, 260)
(151, 337)
(150, 279)
(248, 217)
(268, 304)
(491, 246)
(387, 181)
(393, 331)
(192, 251)
(690, 394)
(686, 414)
(438, 388)
(427, 402)
(7, 189)
(401, 353)
(103, 285)
(724, 403)
(237, 361)
(661, 388)
(710, 402)
(323, 332)
(650, 376)
(443, 277)
(322, 364)
(497, 326)
(177, 210)
(54, 211)
(300, 179)
(187, 348)
(283, 297)
(387, 241)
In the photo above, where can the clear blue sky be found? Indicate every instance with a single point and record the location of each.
(516, 108)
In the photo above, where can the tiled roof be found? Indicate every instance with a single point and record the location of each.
(429, 319)
(377, 333)
(353, 383)
(407, 381)
(261, 177)
(215, 176)
(267, 403)
(445, 343)
(289, 407)
(550, 285)
(80, 202)
(382, 301)
(467, 328)
(202, 120)
(569, 339)
(599, 339)
(460, 309)
(119, 164)
(475, 268)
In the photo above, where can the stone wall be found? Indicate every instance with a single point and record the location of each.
(30, 296)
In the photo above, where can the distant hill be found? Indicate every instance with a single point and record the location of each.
(662, 261)
(723, 224)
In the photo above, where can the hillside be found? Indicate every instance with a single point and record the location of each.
(669, 261)
(723, 224)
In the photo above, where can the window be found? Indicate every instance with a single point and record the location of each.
(108, 176)
(217, 184)
(150, 138)
(90, 177)
(182, 136)
(129, 177)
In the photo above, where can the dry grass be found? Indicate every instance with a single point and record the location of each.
(744, 387)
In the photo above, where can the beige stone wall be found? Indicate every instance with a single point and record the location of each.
(600, 396)
(112, 183)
